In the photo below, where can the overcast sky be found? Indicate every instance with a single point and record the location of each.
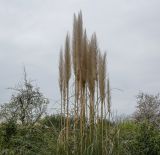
(32, 31)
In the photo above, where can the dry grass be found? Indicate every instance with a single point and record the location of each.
(89, 132)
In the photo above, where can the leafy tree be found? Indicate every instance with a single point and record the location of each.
(27, 106)
(148, 108)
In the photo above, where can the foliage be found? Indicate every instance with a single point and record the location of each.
(28, 140)
(26, 107)
(148, 108)
(139, 138)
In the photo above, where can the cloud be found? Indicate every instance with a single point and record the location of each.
(33, 31)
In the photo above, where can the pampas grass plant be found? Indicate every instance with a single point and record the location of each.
(89, 133)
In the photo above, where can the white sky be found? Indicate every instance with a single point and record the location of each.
(32, 31)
